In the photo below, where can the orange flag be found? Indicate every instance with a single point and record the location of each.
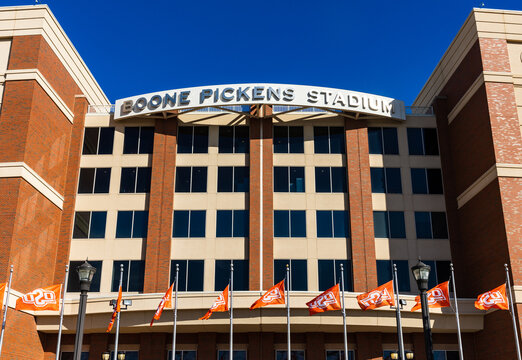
(2, 293)
(437, 297)
(220, 305)
(166, 301)
(495, 298)
(328, 300)
(47, 298)
(275, 295)
(381, 296)
(116, 311)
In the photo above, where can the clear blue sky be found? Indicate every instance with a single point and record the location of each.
(384, 47)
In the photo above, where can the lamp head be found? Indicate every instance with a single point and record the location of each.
(106, 355)
(409, 355)
(421, 273)
(121, 355)
(85, 273)
(394, 355)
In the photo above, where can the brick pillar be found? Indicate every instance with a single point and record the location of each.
(315, 346)
(418, 346)
(159, 235)
(361, 209)
(207, 346)
(98, 344)
(261, 346)
(254, 206)
(369, 346)
(268, 200)
(152, 346)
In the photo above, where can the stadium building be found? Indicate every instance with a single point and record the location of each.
(264, 175)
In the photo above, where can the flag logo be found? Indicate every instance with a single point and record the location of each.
(437, 297)
(220, 305)
(39, 298)
(274, 296)
(495, 298)
(324, 300)
(381, 296)
(328, 300)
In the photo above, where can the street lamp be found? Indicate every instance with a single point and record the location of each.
(121, 355)
(395, 355)
(85, 273)
(106, 355)
(421, 273)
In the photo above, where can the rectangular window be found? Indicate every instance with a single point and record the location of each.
(440, 271)
(232, 223)
(389, 224)
(70, 356)
(445, 355)
(135, 180)
(133, 275)
(288, 140)
(386, 180)
(426, 181)
(339, 355)
(233, 179)
(333, 223)
(222, 274)
(298, 273)
(183, 355)
(138, 140)
(295, 354)
(94, 180)
(190, 274)
(89, 224)
(431, 225)
(234, 139)
(330, 274)
(385, 273)
(423, 141)
(237, 355)
(329, 140)
(129, 355)
(191, 179)
(289, 223)
(73, 285)
(330, 179)
(98, 141)
(189, 223)
(289, 179)
(383, 140)
(192, 139)
(132, 224)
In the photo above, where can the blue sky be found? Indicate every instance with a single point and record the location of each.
(384, 47)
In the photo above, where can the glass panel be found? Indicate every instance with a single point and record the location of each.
(432, 280)
(324, 223)
(380, 224)
(322, 179)
(431, 142)
(181, 223)
(280, 139)
(439, 355)
(98, 221)
(297, 179)
(103, 180)
(90, 141)
(241, 275)
(106, 140)
(242, 140)
(403, 275)
(393, 180)
(86, 181)
(226, 139)
(281, 225)
(222, 274)
(377, 176)
(130, 142)
(295, 355)
(197, 223)
(195, 275)
(391, 144)
(70, 356)
(183, 174)
(137, 272)
(348, 278)
(182, 286)
(326, 274)
(298, 223)
(337, 140)
(418, 181)
(338, 179)
(237, 355)
(415, 141)
(452, 355)
(280, 179)
(200, 139)
(438, 225)
(340, 224)
(384, 271)
(241, 178)
(199, 179)
(375, 140)
(143, 182)
(240, 223)
(183, 355)
(443, 271)
(224, 223)
(185, 139)
(128, 180)
(298, 272)
(141, 222)
(146, 140)
(434, 181)
(280, 270)
(224, 179)
(423, 225)
(321, 143)
(296, 139)
(124, 224)
(116, 275)
(397, 227)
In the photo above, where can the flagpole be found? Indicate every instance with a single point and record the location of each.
(398, 312)
(512, 310)
(61, 313)
(118, 318)
(461, 352)
(231, 351)
(344, 315)
(288, 310)
(6, 306)
(175, 315)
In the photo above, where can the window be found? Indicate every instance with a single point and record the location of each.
(339, 355)
(330, 179)
(440, 271)
(329, 140)
(189, 223)
(385, 273)
(138, 140)
(289, 223)
(70, 356)
(298, 273)
(191, 179)
(94, 180)
(237, 355)
(73, 285)
(445, 355)
(132, 224)
(431, 225)
(386, 180)
(190, 274)
(333, 223)
(89, 224)
(129, 355)
(389, 224)
(289, 179)
(295, 354)
(133, 274)
(232, 223)
(288, 140)
(383, 140)
(222, 278)
(330, 274)
(233, 178)
(183, 355)
(426, 181)
(98, 141)
(193, 139)
(386, 355)
(423, 141)
(135, 180)
(234, 139)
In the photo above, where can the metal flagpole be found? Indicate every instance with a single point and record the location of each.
(175, 315)
(398, 312)
(61, 313)
(231, 351)
(461, 352)
(287, 281)
(512, 310)
(344, 315)
(118, 318)
(6, 306)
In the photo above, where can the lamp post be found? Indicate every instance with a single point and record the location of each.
(421, 273)
(85, 273)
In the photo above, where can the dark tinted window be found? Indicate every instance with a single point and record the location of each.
(241, 178)
(225, 178)
(378, 180)
(338, 179)
(240, 223)
(329, 140)
(235, 179)
(298, 223)
(322, 179)
(128, 180)
(73, 283)
(98, 141)
(431, 142)
(321, 143)
(434, 181)
(341, 223)
(391, 144)
(102, 180)
(98, 221)
(143, 180)
(197, 223)
(199, 179)
(82, 221)
(191, 274)
(385, 273)
(339, 355)
(281, 179)
(423, 141)
(375, 140)
(141, 222)
(383, 141)
(289, 223)
(234, 139)
(298, 273)
(106, 140)
(297, 179)
(431, 225)
(223, 275)
(189, 223)
(90, 141)
(236, 355)
(294, 354)
(324, 223)
(184, 139)
(296, 139)
(418, 181)
(200, 139)
(439, 226)
(180, 227)
(380, 224)
(389, 224)
(423, 225)
(124, 224)
(337, 140)
(224, 223)
(146, 145)
(330, 274)
(393, 181)
(131, 140)
(397, 227)
(191, 179)
(86, 181)
(132, 224)
(281, 223)
(70, 356)
(415, 145)
(443, 271)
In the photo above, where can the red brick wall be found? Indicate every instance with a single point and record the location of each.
(254, 198)
(268, 202)
(19, 326)
(152, 346)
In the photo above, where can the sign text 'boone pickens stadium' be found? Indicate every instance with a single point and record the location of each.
(254, 94)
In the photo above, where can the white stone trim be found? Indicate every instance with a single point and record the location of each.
(21, 169)
(35, 74)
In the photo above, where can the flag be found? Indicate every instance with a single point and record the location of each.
(220, 305)
(166, 301)
(495, 298)
(275, 295)
(47, 298)
(437, 297)
(116, 311)
(328, 300)
(381, 296)
(2, 293)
